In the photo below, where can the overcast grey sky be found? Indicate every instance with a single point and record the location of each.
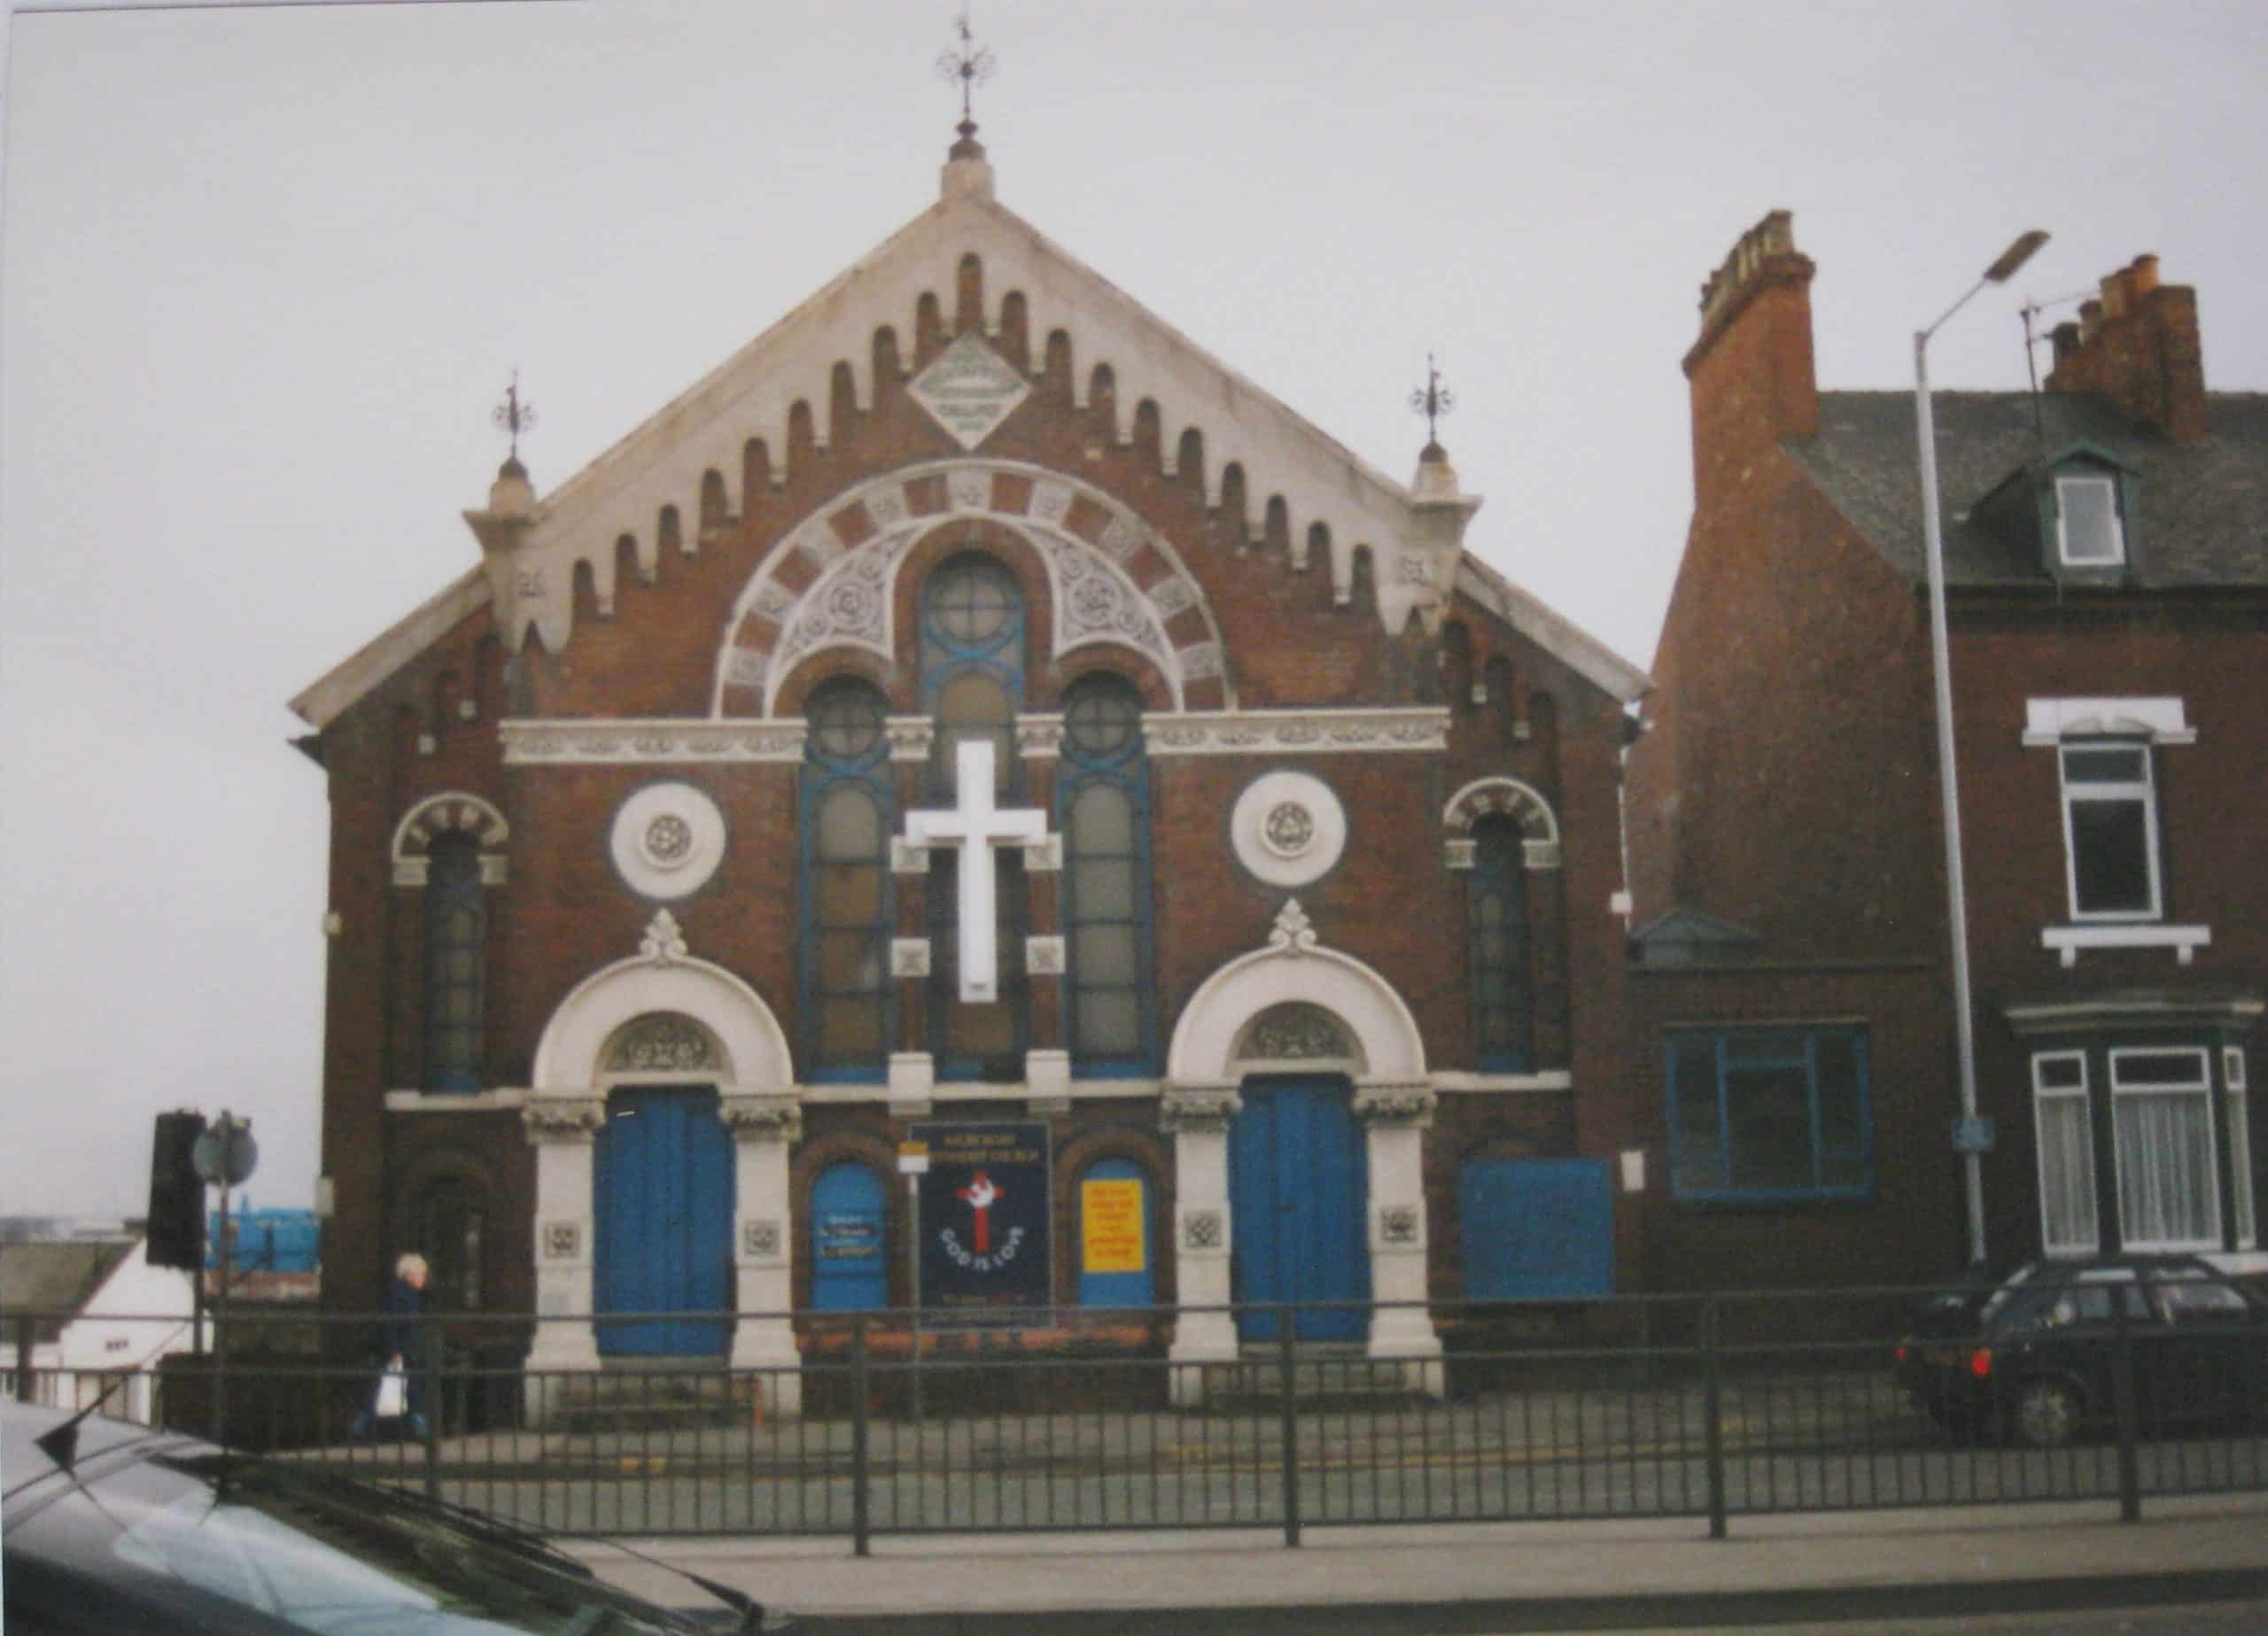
(267, 272)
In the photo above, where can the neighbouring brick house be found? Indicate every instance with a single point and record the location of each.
(2107, 555)
(1283, 963)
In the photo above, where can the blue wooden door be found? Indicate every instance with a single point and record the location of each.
(1537, 1230)
(847, 1240)
(1297, 1186)
(664, 1193)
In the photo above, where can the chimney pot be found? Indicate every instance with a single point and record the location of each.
(2143, 276)
(2114, 295)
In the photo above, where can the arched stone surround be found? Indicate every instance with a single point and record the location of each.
(832, 583)
(1382, 1051)
(735, 1043)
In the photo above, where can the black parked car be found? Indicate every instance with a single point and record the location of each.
(2032, 1358)
(107, 1527)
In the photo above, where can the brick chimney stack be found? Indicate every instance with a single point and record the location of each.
(1750, 373)
(2138, 346)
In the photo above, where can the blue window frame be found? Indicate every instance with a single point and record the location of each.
(973, 685)
(846, 999)
(1499, 965)
(1102, 797)
(456, 933)
(1769, 1115)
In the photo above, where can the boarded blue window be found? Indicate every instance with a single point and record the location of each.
(1537, 1230)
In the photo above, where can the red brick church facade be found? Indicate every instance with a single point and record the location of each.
(626, 825)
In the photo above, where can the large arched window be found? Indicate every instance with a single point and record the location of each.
(973, 684)
(846, 820)
(1501, 969)
(456, 928)
(1102, 799)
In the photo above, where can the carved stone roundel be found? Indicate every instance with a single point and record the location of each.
(1288, 828)
(668, 840)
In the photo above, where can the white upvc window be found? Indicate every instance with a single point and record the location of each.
(2110, 831)
(2161, 1116)
(2066, 1132)
(2240, 1129)
(2087, 531)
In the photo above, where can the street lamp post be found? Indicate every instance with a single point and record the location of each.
(1948, 787)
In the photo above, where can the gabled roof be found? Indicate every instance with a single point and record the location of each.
(57, 1278)
(1581, 652)
(753, 394)
(1689, 936)
(2204, 505)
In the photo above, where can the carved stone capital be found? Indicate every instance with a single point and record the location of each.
(763, 1118)
(910, 736)
(573, 1120)
(1395, 1105)
(1040, 737)
(1198, 1110)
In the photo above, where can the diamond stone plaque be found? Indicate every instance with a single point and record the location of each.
(969, 390)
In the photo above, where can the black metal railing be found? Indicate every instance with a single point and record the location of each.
(1710, 1408)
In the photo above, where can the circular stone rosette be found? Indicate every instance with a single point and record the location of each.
(1288, 828)
(668, 840)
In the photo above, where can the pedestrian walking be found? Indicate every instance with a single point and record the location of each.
(402, 1352)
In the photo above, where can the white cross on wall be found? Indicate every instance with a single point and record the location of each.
(974, 826)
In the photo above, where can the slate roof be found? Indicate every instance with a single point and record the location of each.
(55, 1278)
(2204, 505)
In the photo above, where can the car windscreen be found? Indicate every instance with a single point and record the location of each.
(303, 1551)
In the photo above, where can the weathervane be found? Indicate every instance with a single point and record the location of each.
(1434, 402)
(970, 63)
(513, 415)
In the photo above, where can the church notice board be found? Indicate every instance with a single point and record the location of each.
(986, 1221)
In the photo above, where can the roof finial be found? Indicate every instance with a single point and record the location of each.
(971, 64)
(1433, 402)
(515, 417)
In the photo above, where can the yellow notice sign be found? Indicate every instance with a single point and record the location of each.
(1110, 1220)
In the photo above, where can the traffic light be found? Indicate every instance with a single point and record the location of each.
(176, 1195)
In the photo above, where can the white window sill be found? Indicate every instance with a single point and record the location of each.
(2067, 941)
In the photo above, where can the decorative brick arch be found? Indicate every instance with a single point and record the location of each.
(1114, 581)
(451, 812)
(1522, 802)
(1294, 967)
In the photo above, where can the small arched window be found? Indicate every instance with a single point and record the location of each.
(973, 684)
(1102, 797)
(1500, 967)
(846, 820)
(456, 926)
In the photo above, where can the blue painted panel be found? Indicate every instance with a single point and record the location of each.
(1298, 1184)
(662, 1187)
(849, 1241)
(1136, 1289)
(1537, 1228)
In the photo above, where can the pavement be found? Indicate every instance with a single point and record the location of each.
(1796, 1569)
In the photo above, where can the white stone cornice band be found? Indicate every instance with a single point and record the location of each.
(682, 741)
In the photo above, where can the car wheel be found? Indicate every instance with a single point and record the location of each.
(2046, 1415)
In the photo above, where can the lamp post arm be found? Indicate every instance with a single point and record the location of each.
(1948, 782)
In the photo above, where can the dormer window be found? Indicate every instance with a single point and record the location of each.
(2087, 531)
